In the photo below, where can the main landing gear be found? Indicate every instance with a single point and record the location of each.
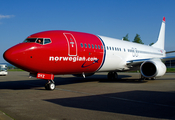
(112, 76)
(50, 85)
(144, 78)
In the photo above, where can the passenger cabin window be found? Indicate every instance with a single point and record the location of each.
(82, 45)
(95, 46)
(98, 46)
(92, 46)
(85, 45)
(89, 45)
(42, 41)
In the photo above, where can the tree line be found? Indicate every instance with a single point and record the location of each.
(137, 39)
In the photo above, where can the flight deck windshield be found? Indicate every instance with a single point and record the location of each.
(42, 41)
(30, 40)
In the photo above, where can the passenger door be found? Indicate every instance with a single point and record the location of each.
(72, 45)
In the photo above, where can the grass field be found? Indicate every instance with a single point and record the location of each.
(15, 70)
(170, 70)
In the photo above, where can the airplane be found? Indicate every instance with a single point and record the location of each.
(59, 52)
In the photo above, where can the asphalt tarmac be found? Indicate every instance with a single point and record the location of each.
(92, 98)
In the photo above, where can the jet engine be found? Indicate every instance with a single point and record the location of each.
(152, 68)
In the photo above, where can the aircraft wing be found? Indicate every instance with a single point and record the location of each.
(133, 63)
(163, 59)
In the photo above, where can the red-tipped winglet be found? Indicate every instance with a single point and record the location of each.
(164, 19)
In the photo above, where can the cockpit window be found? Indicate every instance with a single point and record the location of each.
(41, 41)
(30, 40)
(46, 41)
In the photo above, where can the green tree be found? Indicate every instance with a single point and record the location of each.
(151, 44)
(126, 38)
(137, 39)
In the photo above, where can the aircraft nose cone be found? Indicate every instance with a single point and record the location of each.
(14, 56)
(9, 55)
(6, 55)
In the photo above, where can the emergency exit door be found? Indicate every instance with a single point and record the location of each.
(72, 45)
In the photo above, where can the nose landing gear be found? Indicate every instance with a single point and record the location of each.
(50, 85)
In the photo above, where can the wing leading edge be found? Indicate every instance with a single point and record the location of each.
(134, 63)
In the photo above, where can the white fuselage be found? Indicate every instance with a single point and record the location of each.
(118, 52)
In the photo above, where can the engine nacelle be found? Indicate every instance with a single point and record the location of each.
(152, 68)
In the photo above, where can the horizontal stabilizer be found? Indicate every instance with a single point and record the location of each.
(170, 52)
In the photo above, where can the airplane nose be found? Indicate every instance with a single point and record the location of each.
(15, 56)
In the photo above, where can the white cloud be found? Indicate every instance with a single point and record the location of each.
(6, 16)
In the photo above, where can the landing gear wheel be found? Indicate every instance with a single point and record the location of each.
(47, 86)
(115, 76)
(50, 85)
(112, 75)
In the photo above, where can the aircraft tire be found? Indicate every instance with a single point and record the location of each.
(112, 76)
(47, 86)
(51, 86)
(115, 76)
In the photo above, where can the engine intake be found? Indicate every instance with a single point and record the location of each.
(152, 68)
